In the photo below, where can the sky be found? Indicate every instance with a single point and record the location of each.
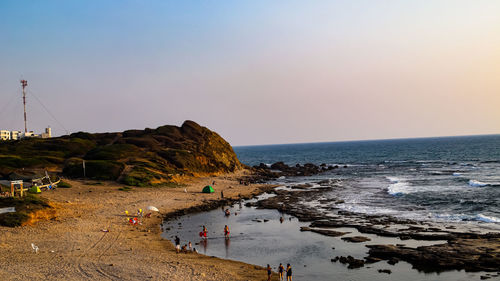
(256, 72)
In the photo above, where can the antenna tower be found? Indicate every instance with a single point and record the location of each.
(24, 83)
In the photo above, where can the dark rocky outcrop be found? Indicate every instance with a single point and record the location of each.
(264, 172)
(481, 254)
(356, 239)
(134, 157)
(326, 232)
(351, 261)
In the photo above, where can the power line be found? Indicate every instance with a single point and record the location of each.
(4, 109)
(48, 111)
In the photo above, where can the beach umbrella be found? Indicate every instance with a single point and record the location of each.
(152, 208)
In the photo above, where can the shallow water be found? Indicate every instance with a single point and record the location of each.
(272, 242)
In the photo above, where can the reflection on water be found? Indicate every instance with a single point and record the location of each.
(260, 237)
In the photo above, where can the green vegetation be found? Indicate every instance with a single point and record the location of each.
(24, 206)
(94, 169)
(63, 184)
(94, 183)
(125, 188)
(149, 157)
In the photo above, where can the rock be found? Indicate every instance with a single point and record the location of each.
(371, 259)
(455, 255)
(356, 239)
(393, 261)
(353, 263)
(388, 271)
(328, 232)
(280, 166)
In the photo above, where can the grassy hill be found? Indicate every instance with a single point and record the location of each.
(134, 157)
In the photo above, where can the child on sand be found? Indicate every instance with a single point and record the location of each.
(269, 271)
(177, 244)
(190, 246)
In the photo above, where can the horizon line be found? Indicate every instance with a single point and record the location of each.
(360, 140)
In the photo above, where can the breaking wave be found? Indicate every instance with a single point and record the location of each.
(475, 183)
(397, 187)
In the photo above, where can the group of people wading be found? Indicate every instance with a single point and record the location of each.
(204, 232)
(204, 236)
(281, 271)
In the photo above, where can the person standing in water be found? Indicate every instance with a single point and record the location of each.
(281, 268)
(288, 272)
(269, 271)
(204, 232)
(226, 232)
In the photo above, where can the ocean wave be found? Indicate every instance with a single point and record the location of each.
(365, 209)
(475, 183)
(488, 219)
(467, 218)
(397, 187)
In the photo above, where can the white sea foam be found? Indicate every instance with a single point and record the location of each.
(397, 186)
(466, 218)
(489, 219)
(475, 183)
(370, 210)
(457, 174)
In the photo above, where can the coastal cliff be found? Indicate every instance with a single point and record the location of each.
(133, 157)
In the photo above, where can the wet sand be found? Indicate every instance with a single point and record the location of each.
(73, 245)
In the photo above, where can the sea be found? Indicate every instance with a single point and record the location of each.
(443, 179)
(438, 181)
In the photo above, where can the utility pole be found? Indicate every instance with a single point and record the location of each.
(24, 83)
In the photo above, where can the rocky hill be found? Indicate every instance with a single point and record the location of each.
(134, 157)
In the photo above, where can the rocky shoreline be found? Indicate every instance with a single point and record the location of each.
(469, 251)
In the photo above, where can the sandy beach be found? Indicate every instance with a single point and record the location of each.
(73, 244)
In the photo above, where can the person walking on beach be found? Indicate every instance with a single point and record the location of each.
(281, 268)
(177, 244)
(288, 272)
(226, 232)
(269, 271)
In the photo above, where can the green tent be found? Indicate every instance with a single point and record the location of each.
(35, 189)
(208, 189)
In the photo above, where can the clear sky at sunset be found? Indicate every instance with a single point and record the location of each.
(256, 72)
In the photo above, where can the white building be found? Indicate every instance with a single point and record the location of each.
(47, 134)
(15, 135)
(4, 135)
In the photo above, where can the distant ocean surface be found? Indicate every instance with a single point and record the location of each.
(452, 179)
